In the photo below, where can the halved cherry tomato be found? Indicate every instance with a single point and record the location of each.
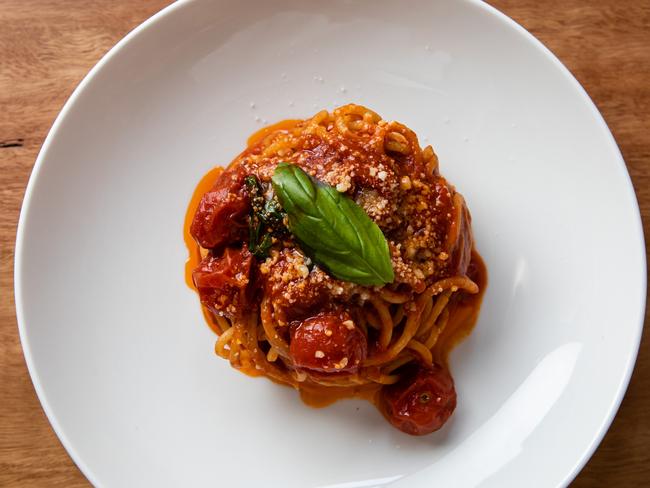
(222, 282)
(220, 218)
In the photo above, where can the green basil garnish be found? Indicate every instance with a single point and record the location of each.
(332, 229)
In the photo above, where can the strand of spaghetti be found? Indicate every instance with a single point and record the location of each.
(256, 361)
(342, 126)
(261, 334)
(396, 142)
(398, 316)
(403, 358)
(372, 319)
(350, 380)
(436, 331)
(235, 344)
(315, 124)
(376, 375)
(275, 373)
(427, 154)
(320, 117)
(430, 320)
(455, 283)
(251, 332)
(269, 329)
(427, 308)
(393, 296)
(432, 165)
(268, 139)
(410, 328)
(222, 342)
(427, 319)
(261, 364)
(272, 355)
(440, 305)
(245, 360)
(360, 320)
(279, 315)
(370, 117)
(254, 355)
(386, 331)
(421, 350)
(300, 376)
(356, 125)
(430, 158)
(384, 379)
(224, 324)
(354, 118)
(279, 144)
(401, 139)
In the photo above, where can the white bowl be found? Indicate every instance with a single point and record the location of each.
(115, 342)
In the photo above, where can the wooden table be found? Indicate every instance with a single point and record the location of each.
(47, 46)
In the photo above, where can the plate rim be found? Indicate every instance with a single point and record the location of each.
(614, 406)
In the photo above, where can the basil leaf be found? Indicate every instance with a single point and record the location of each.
(332, 229)
(265, 219)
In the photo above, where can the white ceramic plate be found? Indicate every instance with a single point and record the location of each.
(115, 342)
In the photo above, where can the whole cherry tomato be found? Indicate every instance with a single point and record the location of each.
(328, 343)
(421, 401)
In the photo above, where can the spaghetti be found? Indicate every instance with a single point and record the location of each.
(280, 314)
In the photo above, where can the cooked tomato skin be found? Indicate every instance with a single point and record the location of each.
(328, 343)
(461, 254)
(221, 217)
(421, 401)
(223, 281)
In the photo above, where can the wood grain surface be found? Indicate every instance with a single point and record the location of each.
(46, 48)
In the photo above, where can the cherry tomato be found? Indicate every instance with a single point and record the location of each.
(421, 401)
(300, 296)
(223, 281)
(220, 218)
(328, 343)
